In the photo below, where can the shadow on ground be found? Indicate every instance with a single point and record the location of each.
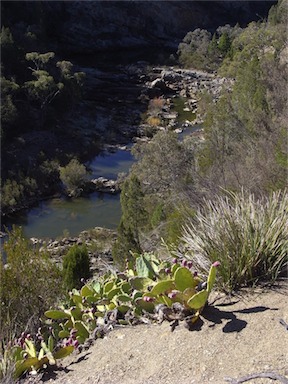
(216, 316)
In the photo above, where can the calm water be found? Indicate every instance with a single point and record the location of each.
(111, 164)
(56, 217)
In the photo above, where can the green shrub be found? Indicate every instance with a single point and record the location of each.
(133, 219)
(124, 245)
(248, 236)
(30, 282)
(76, 266)
(157, 215)
(73, 176)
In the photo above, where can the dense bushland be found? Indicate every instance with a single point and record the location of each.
(37, 91)
(200, 49)
(244, 144)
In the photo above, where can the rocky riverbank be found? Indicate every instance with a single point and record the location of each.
(99, 242)
(114, 110)
(189, 84)
(165, 83)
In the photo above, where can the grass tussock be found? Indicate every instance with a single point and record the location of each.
(248, 236)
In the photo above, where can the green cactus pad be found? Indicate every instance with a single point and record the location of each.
(82, 329)
(141, 283)
(211, 278)
(113, 293)
(50, 343)
(162, 287)
(199, 300)
(97, 287)
(183, 279)
(63, 352)
(23, 366)
(57, 315)
(188, 293)
(63, 333)
(123, 298)
(81, 339)
(123, 308)
(164, 300)
(174, 268)
(76, 313)
(111, 306)
(93, 299)
(30, 348)
(136, 295)
(69, 324)
(48, 353)
(86, 291)
(144, 267)
(149, 307)
(126, 287)
(108, 286)
(77, 299)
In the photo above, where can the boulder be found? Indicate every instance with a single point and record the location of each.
(101, 184)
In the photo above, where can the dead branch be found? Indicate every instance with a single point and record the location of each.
(268, 375)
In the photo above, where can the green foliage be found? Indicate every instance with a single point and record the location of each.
(174, 224)
(133, 212)
(124, 245)
(224, 43)
(258, 39)
(248, 236)
(244, 128)
(162, 163)
(201, 50)
(193, 50)
(15, 191)
(11, 193)
(36, 91)
(50, 83)
(8, 108)
(39, 59)
(73, 176)
(30, 282)
(134, 217)
(158, 215)
(250, 94)
(278, 13)
(27, 358)
(76, 266)
(146, 283)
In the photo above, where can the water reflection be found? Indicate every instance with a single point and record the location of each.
(110, 164)
(55, 217)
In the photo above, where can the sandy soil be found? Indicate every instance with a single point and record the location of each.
(235, 337)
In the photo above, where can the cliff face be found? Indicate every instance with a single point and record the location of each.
(91, 26)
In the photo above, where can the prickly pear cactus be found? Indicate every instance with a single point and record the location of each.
(145, 287)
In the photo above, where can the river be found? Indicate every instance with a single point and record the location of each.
(111, 101)
(59, 216)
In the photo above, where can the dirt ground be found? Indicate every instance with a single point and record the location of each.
(235, 337)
